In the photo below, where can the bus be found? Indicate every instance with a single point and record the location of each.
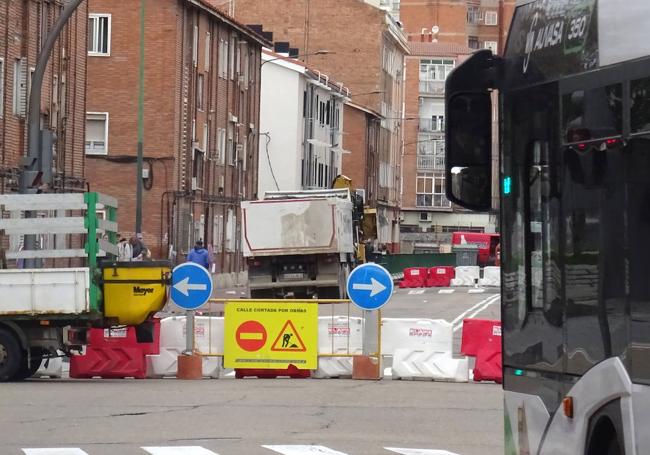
(572, 92)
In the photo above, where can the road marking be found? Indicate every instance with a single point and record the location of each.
(491, 300)
(303, 450)
(482, 302)
(476, 291)
(181, 450)
(61, 451)
(419, 451)
(416, 291)
(446, 291)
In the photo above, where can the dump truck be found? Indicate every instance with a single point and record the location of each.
(78, 285)
(299, 243)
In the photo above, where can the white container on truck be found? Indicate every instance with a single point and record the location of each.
(299, 244)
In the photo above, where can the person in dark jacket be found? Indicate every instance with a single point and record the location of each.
(199, 255)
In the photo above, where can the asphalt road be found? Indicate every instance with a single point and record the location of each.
(238, 417)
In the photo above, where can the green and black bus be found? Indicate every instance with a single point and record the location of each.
(573, 96)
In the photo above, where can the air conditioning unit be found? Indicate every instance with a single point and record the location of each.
(233, 118)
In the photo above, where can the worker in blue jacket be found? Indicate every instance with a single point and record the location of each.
(199, 255)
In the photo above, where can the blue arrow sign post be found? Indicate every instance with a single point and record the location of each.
(191, 289)
(370, 287)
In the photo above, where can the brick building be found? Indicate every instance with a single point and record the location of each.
(369, 57)
(201, 118)
(23, 27)
(477, 24)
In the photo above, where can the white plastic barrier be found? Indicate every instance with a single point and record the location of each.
(439, 366)
(466, 275)
(491, 277)
(336, 335)
(208, 333)
(416, 335)
(51, 368)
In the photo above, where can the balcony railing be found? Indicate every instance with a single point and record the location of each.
(432, 87)
(431, 163)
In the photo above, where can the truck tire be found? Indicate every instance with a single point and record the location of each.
(28, 369)
(11, 356)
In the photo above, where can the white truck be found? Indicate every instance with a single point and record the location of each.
(299, 244)
(50, 309)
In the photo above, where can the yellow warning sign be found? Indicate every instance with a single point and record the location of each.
(270, 335)
(291, 340)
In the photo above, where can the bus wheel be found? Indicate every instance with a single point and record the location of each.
(604, 439)
(11, 356)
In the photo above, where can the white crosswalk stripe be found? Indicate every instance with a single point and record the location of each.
(419, 451)
(196, 450)
(52, 451)
(303, 450)
(181, 450)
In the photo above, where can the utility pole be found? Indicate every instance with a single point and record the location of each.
(37, 164)
(138, 178)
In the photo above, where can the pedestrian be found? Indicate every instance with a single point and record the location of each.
(137, 248)
(124, 250)
(199, 255)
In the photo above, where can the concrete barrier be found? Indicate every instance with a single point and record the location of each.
(491, 277)
(338, 335)
(416, 335)
(467, 275)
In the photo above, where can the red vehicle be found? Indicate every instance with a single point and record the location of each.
(487, 245)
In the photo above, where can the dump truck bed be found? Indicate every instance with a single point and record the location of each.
(297, 226)
(45, 292)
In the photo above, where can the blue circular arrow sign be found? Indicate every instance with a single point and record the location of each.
(370, 286)
(191, 286)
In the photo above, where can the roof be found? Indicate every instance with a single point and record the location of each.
(309, 70)
(438, 49)
(208, 6)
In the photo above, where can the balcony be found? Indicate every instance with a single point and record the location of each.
(431, 163)
(428, 125)
(432, 87)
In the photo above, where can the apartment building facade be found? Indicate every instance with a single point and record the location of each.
(201, 122)
(23, 28)
(302, 117)
(477, 24)
(369, 57)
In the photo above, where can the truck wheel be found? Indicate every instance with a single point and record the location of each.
(11, 356)
(28, 370)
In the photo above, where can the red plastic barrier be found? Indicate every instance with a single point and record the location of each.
(414, 277)
(292, 371)
(489, 364)
(482, 339)
(440, 277)
(109, 363)
(478, 333)
(116, 353)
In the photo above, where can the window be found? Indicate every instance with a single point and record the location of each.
(217, 233)
(435, 69)
(20, 87)
(221, 145)
(195, 46)
(640, 105)
(593, 114)
(2, 87)
(231, 230)
(430, 191)
(472, 42)
(208, 47)
(474, 15)
(204, 144)
(232, 58)
(491, 18)
(97, 133)
(492, 45)
(99, 34)
(223, 58)
(197, 169)
(231, 146)
(200, 79)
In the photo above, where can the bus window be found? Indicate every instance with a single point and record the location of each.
(640, 105)
(593, 205)
(592, 114)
